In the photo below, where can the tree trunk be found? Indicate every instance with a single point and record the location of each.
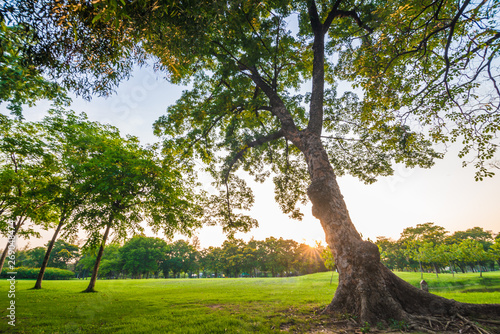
(367, 289)
(93, 279)
(436, 270)
(4, 256)
(11, 241)
(38, 284)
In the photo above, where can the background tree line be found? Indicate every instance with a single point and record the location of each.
(148, 257)
(426, 247)
(429, 247)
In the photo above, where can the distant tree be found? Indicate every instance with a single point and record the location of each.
(327, 256)
(143, 255)
(250, 258)
(31, 257)
(427, 232)
(180, 258)
(421, 241)
(62, 253)
(112, 262)
(475, 233)
(472, 252)
(233, 257)
(392, 253)
(495, 250)
(22, 83)
(212, 260)
(415, 250)
(449, 254)
(86, 262)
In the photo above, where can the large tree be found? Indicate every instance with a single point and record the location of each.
(271, 95)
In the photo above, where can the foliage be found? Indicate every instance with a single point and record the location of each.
(63, 253)
(32, 273)
(111, 264)
(433, 246)
(125, 184)
(417, 69)
(141, 255)
(27, 173)
(26, 170)
(22, 83)
(31, 258)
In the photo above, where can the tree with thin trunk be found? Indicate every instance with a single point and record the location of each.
(27, 170)
(66, 135)
(384, 80)
(125, 184)
(472, 252)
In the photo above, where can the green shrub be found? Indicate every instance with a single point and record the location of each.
(32, 273)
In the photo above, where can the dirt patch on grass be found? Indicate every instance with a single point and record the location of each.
(215, 306)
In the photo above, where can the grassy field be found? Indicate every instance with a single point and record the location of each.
(263, 305)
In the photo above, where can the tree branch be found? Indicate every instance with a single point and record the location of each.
(355, 16)
(278, 107)
(258, 142)
(331, 16)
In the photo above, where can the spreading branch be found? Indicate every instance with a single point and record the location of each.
(258, 142)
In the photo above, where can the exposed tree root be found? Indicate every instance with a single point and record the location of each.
(380, 297)
(456, 324)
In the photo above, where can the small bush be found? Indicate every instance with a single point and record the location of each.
(32, 273)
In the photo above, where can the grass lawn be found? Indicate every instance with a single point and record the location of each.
(260, 305)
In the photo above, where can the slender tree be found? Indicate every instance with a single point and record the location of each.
(66, 136)
(126, 184)
(27, 170)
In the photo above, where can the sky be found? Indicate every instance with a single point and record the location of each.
(446, 194)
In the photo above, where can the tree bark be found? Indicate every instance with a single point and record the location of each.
(38, 284)
(4, 255)
(93, 279)
(10, 240)
(366, 287)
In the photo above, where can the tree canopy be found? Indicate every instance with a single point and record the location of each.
(397, 76)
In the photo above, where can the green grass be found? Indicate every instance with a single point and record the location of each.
(264, 305)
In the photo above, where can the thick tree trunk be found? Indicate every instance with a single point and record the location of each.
(367, 289)
(38, 284)
(93, 279)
